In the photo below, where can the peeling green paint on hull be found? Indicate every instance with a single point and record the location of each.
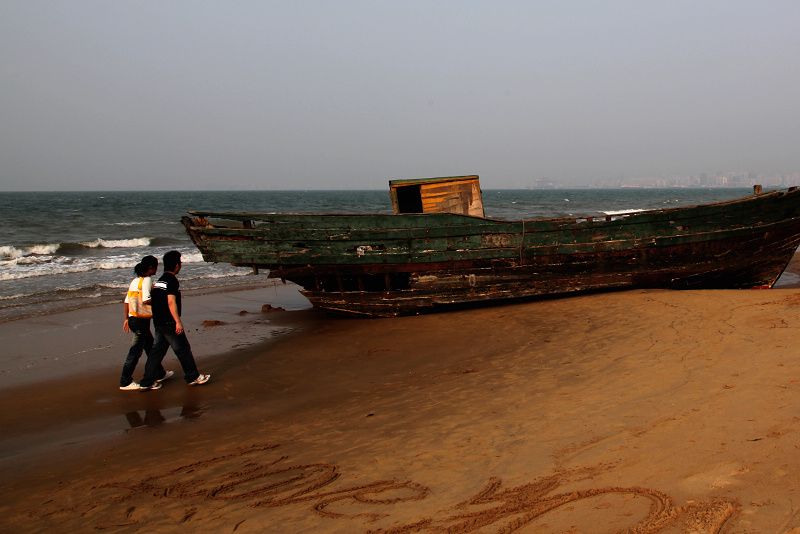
(387, 265)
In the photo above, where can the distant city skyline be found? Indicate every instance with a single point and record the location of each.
(717, 179)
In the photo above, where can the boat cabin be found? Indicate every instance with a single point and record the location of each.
(456, 194)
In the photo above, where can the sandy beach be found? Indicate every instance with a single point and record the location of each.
(635, 411)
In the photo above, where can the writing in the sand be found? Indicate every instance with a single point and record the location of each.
(262, 478)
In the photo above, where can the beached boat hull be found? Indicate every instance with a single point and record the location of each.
(399, 264)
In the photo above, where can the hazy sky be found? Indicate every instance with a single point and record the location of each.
(350, 94)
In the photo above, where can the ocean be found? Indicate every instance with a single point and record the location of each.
(66, 250)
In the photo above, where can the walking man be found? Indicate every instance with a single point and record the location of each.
(166, 307)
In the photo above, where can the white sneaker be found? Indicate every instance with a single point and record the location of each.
(165, 377)
(156, 385)
(133, 386)
(202, 379)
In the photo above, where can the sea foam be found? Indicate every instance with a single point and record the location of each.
(117, 243)
(10, 252)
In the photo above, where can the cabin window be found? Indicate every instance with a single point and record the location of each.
(409, 199)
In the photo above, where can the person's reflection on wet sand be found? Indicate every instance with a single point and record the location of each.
(153, 418)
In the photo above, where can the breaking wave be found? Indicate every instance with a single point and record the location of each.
(117, 243)
(17, 266)
(9, 252)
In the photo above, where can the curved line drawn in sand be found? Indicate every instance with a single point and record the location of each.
(515, 508)
(245, 475)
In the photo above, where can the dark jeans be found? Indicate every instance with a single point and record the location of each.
(142, 341)
(166, 338)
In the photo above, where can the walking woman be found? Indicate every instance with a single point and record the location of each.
(137, 320)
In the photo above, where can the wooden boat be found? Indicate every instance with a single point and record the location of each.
(438, 250)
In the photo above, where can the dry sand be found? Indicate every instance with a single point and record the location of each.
(635, 411)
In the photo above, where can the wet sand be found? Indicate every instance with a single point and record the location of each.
(635, 411)
(64, 344)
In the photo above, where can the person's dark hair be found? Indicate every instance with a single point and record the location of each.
(171, 260)
(143, 266)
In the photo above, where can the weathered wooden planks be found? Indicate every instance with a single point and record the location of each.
(406, 263)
